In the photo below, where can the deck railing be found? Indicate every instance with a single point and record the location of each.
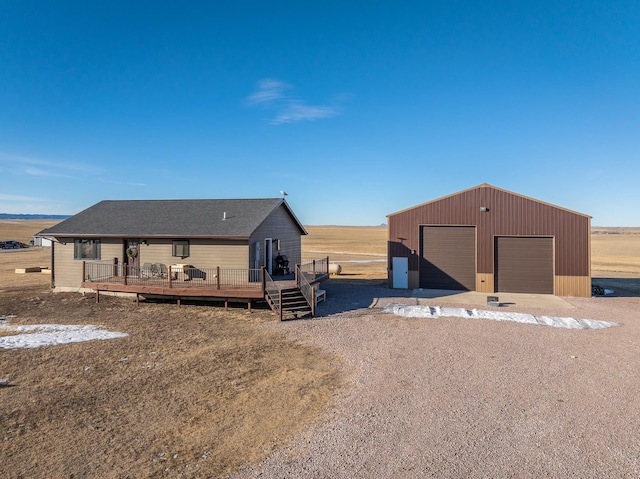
(163, 276)
(306, 289)
(273, 293)
(314, 267)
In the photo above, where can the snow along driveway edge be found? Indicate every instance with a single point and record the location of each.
(409, 311)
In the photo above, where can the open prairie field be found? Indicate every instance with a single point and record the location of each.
(197, 391)
(360, 250)
(23, 230)
(615, 252)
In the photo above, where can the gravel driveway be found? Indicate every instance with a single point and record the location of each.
(454, 397)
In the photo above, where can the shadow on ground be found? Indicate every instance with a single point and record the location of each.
(620, 286)
(350, 295)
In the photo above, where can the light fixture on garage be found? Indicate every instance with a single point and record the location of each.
(484, 209)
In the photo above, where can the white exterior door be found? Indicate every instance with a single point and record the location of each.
(400, 273)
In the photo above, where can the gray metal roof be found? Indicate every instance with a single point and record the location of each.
(171, 218)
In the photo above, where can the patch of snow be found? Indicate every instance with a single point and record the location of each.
(36, 335)
(608, 291)
(410, 311)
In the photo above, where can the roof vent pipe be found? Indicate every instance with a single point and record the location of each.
(224, 216)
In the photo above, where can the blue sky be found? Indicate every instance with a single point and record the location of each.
(356, 109)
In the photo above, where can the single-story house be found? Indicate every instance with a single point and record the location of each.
(490, 240)
(151, 236)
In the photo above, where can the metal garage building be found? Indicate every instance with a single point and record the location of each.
(490, 240)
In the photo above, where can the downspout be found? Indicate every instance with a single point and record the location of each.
(52, 281)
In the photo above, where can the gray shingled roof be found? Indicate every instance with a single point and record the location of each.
(171, 218)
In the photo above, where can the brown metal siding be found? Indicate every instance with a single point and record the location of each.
(508, 214)
(448, 257)
(524, 265)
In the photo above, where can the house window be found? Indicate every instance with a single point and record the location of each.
(86, 249)
(180, 248)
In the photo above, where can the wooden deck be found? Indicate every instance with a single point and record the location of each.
(213, 284)
(180, 290)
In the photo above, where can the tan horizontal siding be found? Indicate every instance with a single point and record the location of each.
(202, 253)
(68, 271)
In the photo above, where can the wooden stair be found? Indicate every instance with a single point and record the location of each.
(293, 303)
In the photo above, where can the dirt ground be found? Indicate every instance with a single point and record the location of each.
(194, 391)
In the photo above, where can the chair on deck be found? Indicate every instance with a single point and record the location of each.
(282, 264)
(147, 270)
(159, 270)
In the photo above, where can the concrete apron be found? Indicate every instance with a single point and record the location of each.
(479, 300)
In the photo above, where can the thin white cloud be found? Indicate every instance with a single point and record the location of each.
(271, 93)
(37, 167)
(268, 91)
(298, 111)
(40, 172)
(4, 197)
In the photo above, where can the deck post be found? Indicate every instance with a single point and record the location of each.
(84, 271)
(115, 267)
(280, 303)
(249, 304)
(327, 267)
(124, 270)
(314, 267)
(170, 276)
(263, 279)
(295, 274)
(218, 277)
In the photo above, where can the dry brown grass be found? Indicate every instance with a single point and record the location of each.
(202, 390)
(23, 230)
(193, 391)
(616, 254)
(360, 250)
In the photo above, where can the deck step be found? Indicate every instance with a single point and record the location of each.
(293, 303)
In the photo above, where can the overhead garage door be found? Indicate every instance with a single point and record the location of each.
(448, 257)
(524, 265)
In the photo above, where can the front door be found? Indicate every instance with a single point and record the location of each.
(132, 256)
